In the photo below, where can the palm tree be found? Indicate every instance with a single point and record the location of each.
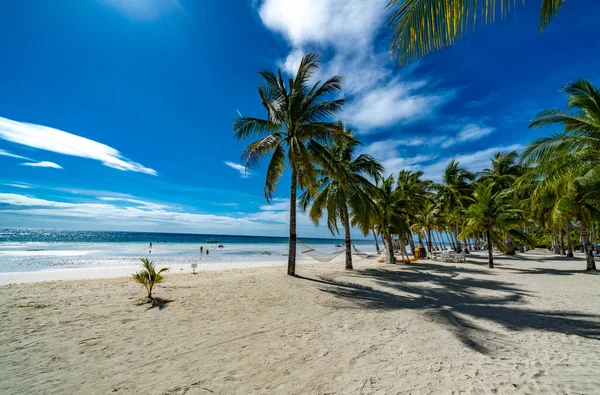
(454, 194)
(148, 276)
(492, 213)
(421, 27)
(298, 116)
(504, 171)
(411, 186)
(571, 157)
(427, 219)
(344, 188)
(391, 214)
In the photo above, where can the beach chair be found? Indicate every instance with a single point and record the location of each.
(461, 257)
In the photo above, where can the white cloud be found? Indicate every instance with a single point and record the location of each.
(11, 155)
(19, 185)
(42, 164)
(245, 173)
(392, 155)
(54, 140)
(474, 161)
(142, 203)
(468, 133)
(388, 105)
(145, 9)
(338, 22)
(376, 97)
(144, 215)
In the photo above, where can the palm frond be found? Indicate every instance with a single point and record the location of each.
(420, 27)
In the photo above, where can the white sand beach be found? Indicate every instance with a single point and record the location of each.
(531, 325)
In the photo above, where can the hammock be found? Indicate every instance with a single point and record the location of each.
(319, 256)
(362, 254)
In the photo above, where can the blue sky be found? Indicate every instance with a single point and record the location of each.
(116, 114)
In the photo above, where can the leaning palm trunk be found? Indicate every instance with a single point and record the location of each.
(594, 235)
(587, 248)
(376, 243)
(429, 246)
(569, 245)
(390, 248)
(490, 250)
(292, 248)
(456, 233)
(554, 243)
(347, 239)
(562, 242)
(411, 242)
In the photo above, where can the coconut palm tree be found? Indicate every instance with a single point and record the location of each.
(570, 158)
(411, 186)
(427, 219)
(344, 186)
(454, 193)
(494, 214)
(298, 117)
(421, 27)
(148, 276)
(504, 171)
(391, 214)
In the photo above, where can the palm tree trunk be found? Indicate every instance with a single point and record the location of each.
(421, 245)
(554, 243)
(490, 251)
(347, 240)
(390, 248)
(411, 242)
(292, 249)
(456, 233)
(595, 241)
(587, 248)
(429, 246)
(375, 238)
(562, 242)
(569, 245)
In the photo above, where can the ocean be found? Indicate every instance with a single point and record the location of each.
(23, 250)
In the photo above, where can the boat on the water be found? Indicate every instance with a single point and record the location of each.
(212, 241)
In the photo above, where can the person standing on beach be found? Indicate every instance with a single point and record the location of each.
(207, 251)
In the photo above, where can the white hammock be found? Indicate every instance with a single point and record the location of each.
(362, 254)
(319, 256)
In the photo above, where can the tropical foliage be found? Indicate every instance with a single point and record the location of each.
(149, 276)
(420, 27)
(545, 197)
(344, 188)
(298, 120)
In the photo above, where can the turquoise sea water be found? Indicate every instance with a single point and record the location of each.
(39, 249)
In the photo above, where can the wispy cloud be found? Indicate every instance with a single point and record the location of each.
(11, 155)
(54, 140)
(245, 173)
(42, 164)
(19, 185)
(142, 203)
(146, 10)
(475, 161)
(377, 97)
(141, 214)
(396, 154)
(468, 133)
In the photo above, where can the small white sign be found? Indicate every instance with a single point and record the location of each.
(194, 266)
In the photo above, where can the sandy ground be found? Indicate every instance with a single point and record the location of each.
(531, 325)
